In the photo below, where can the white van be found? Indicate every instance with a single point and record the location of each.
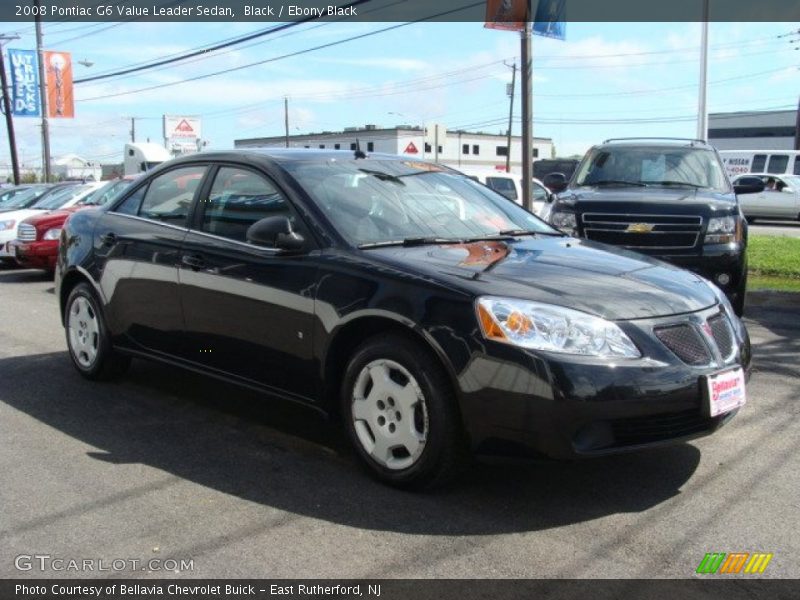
(775, 162)
(510, 186)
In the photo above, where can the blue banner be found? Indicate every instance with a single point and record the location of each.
(25, 99)
(550, 18)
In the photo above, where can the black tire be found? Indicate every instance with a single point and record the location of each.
(445, 448)
(107, 363)
(750, 220)
(739, 299)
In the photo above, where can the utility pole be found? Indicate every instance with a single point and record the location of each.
(702, 110)
(527, 117)
(133, 129)
(436, 143)
(797, 129)
(12, 140)
(43, 94)
(510, 117)
(286, 119)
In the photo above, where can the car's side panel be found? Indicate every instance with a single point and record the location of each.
(249, 311)
(136, 266)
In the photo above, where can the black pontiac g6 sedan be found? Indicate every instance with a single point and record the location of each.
(428, 313)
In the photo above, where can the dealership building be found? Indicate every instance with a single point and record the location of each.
(754, 130)
(455, 148)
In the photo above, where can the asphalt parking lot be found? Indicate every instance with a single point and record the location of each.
(171, 465)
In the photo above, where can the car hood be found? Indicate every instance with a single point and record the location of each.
(649, 200)
(594, 278)
(19, 215)
(51, 218)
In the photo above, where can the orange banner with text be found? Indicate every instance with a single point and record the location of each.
(58, 69)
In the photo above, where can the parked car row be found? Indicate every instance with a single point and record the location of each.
(31, 218)
(426, 312)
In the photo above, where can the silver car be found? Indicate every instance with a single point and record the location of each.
(779, 200)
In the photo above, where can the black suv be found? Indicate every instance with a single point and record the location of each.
(668, 198)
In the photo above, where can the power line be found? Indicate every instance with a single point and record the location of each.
(283, 56)
(215, 54)
(208, 49)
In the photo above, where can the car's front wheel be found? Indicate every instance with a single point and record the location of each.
(87, 337)
(401, 413)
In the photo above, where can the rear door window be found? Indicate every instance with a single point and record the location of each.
(169, 196)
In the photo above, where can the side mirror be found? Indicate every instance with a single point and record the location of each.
(555, 182)
(748, 185)
(275, 232)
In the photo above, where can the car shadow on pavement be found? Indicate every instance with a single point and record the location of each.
(772, 317)
(284, 456)
(15, 275)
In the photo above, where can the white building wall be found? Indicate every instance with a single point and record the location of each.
(397, 141)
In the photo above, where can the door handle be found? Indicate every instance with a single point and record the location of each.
(194, 261)
(108, 239)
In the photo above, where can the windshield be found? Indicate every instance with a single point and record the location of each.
(652, 166)
(373, 202)
(109, 191)
(22, 198)
(61, 197)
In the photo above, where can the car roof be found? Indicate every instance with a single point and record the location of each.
(283, 155)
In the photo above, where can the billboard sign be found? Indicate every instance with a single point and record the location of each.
(182, 132)
(60, 100)
(25, 99)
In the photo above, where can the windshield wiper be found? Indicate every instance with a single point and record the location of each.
(686, 183)
(617, 182)
(518, 232)
(412, 241)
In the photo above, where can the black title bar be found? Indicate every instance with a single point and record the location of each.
(388, 10)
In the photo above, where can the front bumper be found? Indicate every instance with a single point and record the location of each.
(716, 261)
(526, 403)
(35, 255)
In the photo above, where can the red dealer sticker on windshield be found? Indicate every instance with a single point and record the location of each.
(726, 392)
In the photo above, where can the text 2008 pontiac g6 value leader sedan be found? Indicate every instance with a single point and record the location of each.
(429, 313)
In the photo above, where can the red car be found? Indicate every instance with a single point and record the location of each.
(36, 246)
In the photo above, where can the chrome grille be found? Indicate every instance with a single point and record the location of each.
(685, 342)
(668, 232)
(722, 334)
(26, 233)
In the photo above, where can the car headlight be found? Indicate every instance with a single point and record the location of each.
(564, 220)
(6, 225)
(52, 234)
(553, 328)
(723, 230)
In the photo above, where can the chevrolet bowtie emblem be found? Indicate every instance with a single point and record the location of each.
(639, 228)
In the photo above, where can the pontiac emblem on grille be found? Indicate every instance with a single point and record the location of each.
(639, 228)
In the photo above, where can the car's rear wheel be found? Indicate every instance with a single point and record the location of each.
(401, 413)
(88, 339)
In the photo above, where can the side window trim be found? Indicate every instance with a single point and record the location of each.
(145, 185)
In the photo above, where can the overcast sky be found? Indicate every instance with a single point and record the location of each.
(605, 80)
